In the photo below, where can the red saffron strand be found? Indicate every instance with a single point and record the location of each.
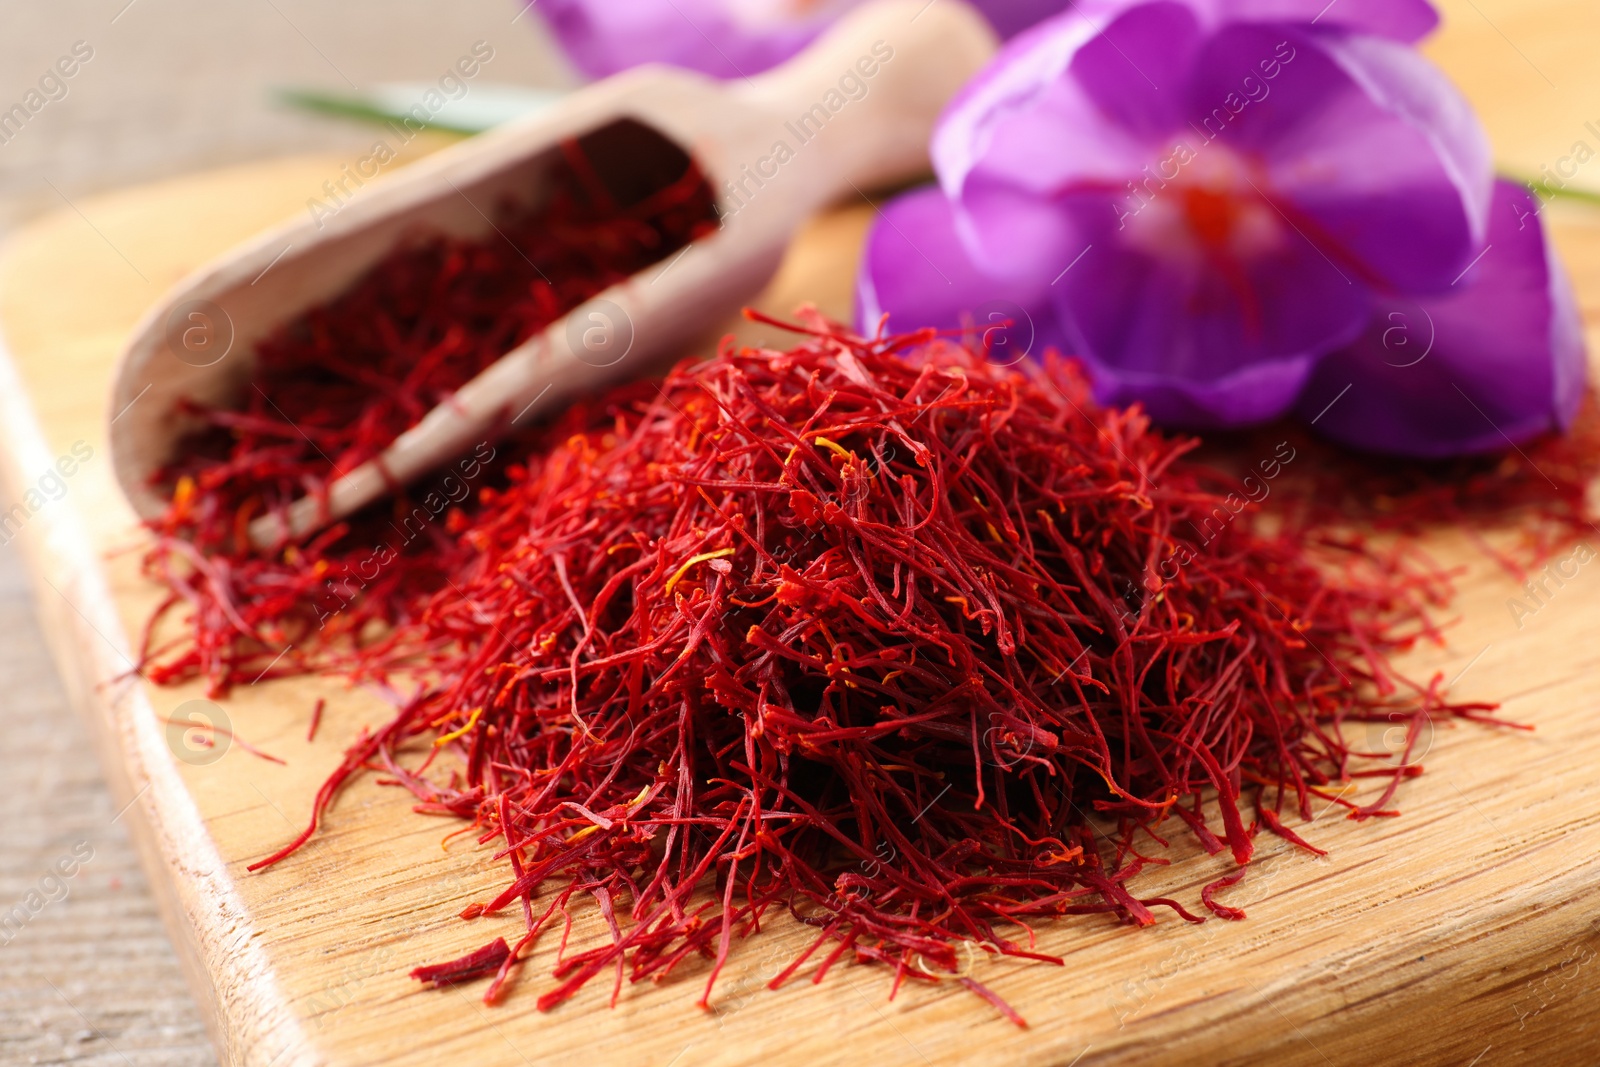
(485, 961)
(1209, 892)
(233, 738)
(994, 998)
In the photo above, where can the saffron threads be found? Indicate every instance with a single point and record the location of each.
(485, 961)
(316, 719)
(335, 387)
(1541, 491)
(915, 648)
(204, 738)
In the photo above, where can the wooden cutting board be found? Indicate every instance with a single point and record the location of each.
(1465, 932)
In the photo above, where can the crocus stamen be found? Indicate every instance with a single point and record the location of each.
(1211, 215)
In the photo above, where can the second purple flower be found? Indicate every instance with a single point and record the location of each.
(722, 38)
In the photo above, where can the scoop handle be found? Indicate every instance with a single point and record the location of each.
(857, 109)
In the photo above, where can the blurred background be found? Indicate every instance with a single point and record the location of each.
(170, 87)
(178, 85)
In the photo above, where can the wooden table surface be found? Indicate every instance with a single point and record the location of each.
(92, 976)
(1465, 932)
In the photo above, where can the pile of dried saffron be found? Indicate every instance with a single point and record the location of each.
(913, 647)
(336, 386)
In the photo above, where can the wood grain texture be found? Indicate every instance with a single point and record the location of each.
(1467, 928)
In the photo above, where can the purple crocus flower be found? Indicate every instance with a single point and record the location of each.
(722, 38)
(1219, 205)
(1496, 359)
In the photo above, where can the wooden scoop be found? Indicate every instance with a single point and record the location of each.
(854, 111)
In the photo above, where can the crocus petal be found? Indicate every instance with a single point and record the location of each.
(1011, 17)
(722, 38)
(1118, 68)
(1253, 394)
(915, 270)
(1497, 360)
(1026, 74)
(1055, 117)
(603, 37)
(1407, 21)
(1401, 20)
